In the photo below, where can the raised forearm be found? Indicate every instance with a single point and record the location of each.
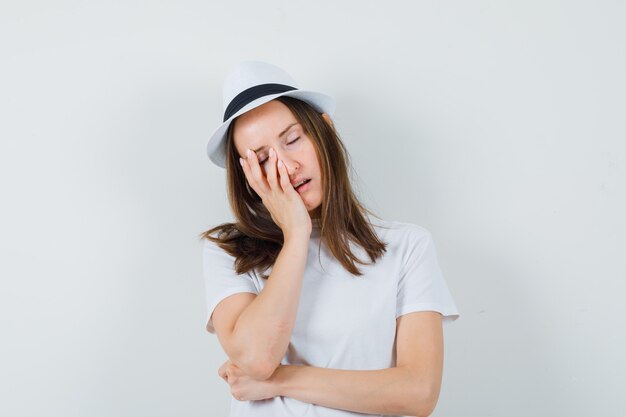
(392, 391)
(263, 330)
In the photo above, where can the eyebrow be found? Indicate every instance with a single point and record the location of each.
(281, 134)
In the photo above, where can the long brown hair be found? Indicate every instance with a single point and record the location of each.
(255, 240)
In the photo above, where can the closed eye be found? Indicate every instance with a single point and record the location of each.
(289, 143)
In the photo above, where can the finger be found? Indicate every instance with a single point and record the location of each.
(285, 183)
(222, 373)
(230, 373)
(233, 370)
(249, 177)
(222, 369)
(256, 172)
(272, 173)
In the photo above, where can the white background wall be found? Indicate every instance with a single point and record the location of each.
(502, 124)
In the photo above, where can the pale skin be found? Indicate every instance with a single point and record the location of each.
(411, 387)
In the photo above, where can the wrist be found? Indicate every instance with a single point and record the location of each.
(297, 236)
(281, 379)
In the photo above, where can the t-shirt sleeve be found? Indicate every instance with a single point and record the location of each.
(220, 278)
(421, 286)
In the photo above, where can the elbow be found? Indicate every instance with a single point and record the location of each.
(264, 371)
(260, 370)
(257, 365)
(422, 403)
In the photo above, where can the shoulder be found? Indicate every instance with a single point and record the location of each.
(396, 230)
(212, 252)
(223, 240)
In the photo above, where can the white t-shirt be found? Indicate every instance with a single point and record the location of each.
(343, 321)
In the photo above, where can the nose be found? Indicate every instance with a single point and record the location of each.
(289, 162)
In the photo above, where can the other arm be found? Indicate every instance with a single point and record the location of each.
(410, 388)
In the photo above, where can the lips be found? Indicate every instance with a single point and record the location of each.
(300, 181)
(304, 187)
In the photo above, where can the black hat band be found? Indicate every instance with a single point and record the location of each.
(251, 94)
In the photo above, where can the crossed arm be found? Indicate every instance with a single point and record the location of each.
(410, 388)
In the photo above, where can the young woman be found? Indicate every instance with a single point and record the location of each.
(306, 330)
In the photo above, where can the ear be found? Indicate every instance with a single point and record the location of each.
(327, 118)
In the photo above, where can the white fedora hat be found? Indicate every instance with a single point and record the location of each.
(250, 84)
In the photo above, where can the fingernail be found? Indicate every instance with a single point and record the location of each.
(280, 162)
(249, 153)
(241, 161)
(272, 152)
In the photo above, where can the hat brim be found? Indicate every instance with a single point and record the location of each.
(216, 147)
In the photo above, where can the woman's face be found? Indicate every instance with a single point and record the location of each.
(272, 125)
